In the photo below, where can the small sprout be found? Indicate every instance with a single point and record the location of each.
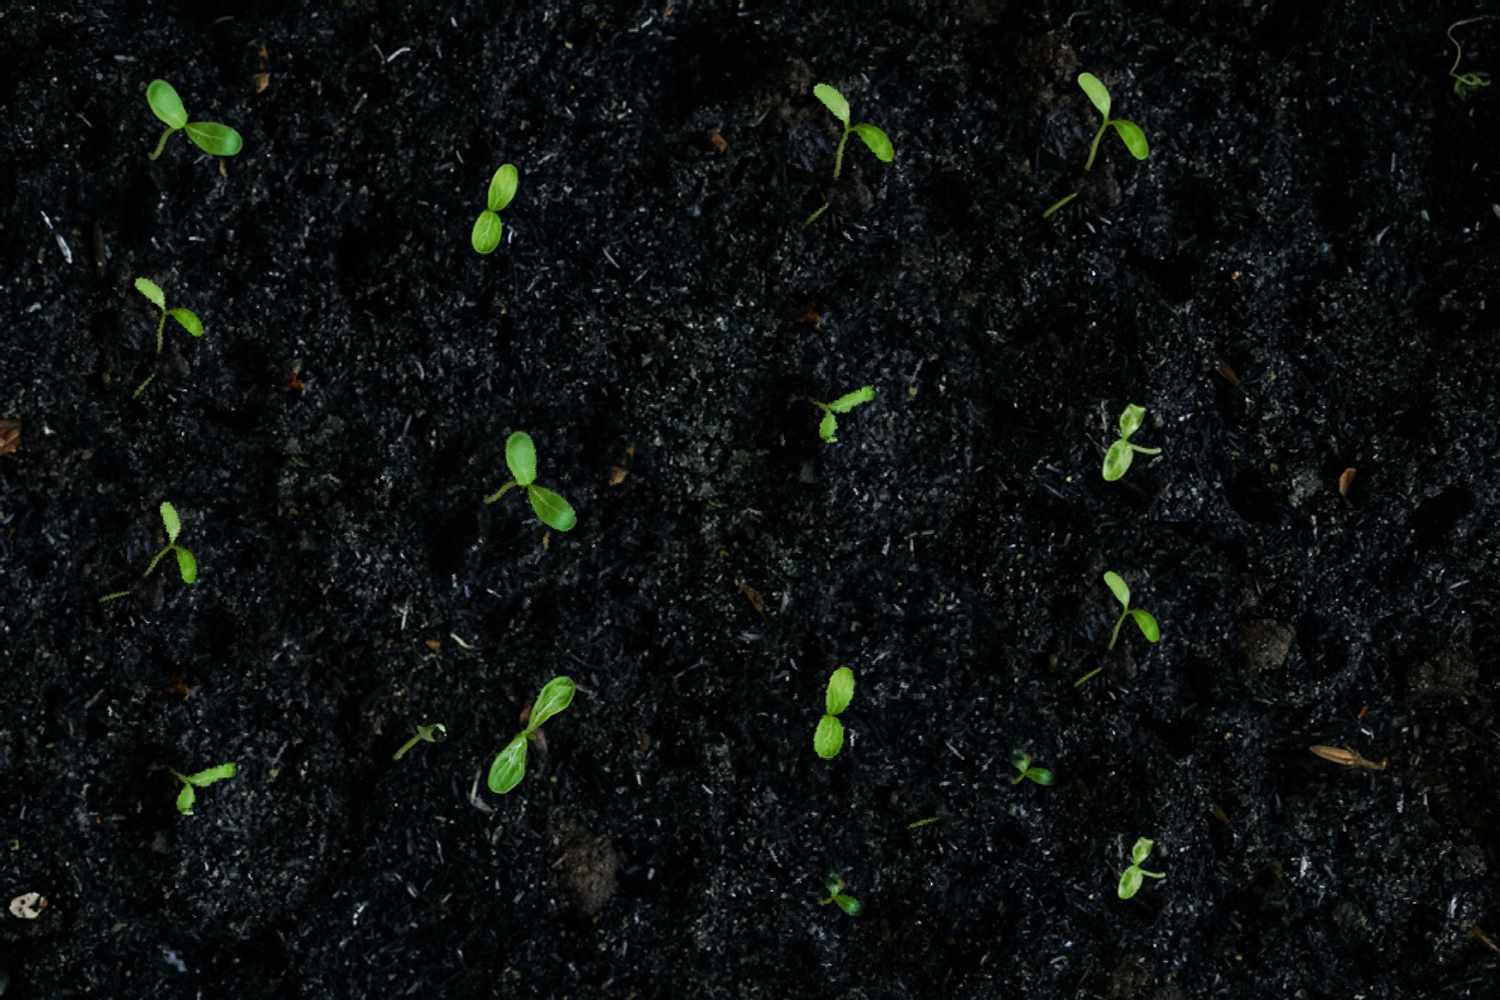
(487, 228)
(1130, 133)
(830, 424)
(1117, 460)
(520, 457)
(835, 886)
(1143, 619)
(1130, 878)
(211, 137)
(435, 733)
(1465, 84)
(828, 738)
(509, 766)
(192, 782)
(187, 564)
(186, 318)
(1021, 761)
(878, 142)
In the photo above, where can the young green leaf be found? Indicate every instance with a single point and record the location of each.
(1117, 460)
(209, 776)
(170, 521)
(486, 235)
(1096, 91)
(840, 691)
(554, 697)
(215, 139)
(551, 509)
(502, 188)
(878, 141)
(520, 458)
(850, 400)
(1118, 587)
(1130, 419)
(1141, 850)
(828, 427)
(186, 798)
(833, 101)
(848, 904)
(1133, 137)
(165, 103)
(152, 291)
(1147, 624)
(188, 320)
(187, 565)
(1130, 882)
(509, 766)
(828, 739)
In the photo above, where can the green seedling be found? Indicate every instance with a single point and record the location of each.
(187, 564)
(1021, 761)
(835, 886)
(829, 425)
(1465, 84)
(520, 457)
(487, 228)
(1130, 133)
(1143, 619)
(878, 142)
(192, 782)
(509, 766)
(828, 738)
(1130, 878)
(1117, 460)
(435, 733)
(211, 137)
(186, 318)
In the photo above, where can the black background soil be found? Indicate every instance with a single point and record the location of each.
(1297, 282)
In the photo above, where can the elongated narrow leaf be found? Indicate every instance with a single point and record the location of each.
(1146, 624)
(509, 766)
(152, 291)
(551, 509)
(165, 103)
(187, 565)
(188, 320)
(840, 691)
(486, 235)
(1134, 138)
(170, 520)
(554, 697)
(1117, 460)
(878, 141)
(849, 904)
(185, 799)
(1130, 419)
(850, 400)
(203, 779)
(520, 458)
(215, 139)
(502, 187)
(1097, 92)
(833, 101)
(828, 427)
(1118, 587)
(828, 740)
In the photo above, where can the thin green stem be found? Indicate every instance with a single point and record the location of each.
(815, 216)
(501, 491)
(1058, 204)
(142, 387)
(163, 144)
(1115, 635)
(114, 596)
(160, 326)
(407, 746)
(155, 560)
(1094, 149)
(838, 156)
(1144, 451)
(1151, 874)
(1080, 682)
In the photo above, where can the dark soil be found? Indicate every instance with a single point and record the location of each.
(1300, 280)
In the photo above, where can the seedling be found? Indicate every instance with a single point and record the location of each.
(835, 886)
(1117, 460)
(1130, 878)
(876, 139)
(435, 733)
(1130, 133)
(211, 137)
(186, 318)
(828, 739)
(1465, 84)
(487, 228)
(829, 425)
(1021, 761)
(192, 782)
(187, 565)
(1143, 619)
(520, 457)
(509, 766)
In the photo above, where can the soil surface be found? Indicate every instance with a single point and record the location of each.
(1299, 281)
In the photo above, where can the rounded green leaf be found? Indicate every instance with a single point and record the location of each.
(555, 696)
(828, 740)
(1141, 850)
(833, 101)
(509, 766)
(1130, 882)
(1117, 460)
(1130, 419)
(188, 320)
(520, 458)
(1040, 775)
(1146, 624)
(828, 427)
(1020, 760)
(1097, 92)
(840, 691)
(878, 141)
(215, 139)
(170, 520)
(849, 904)
(165, 103)
(186, 798)
(486, 234)
(187, 565)
(1117, 586)
(850, 400)
(551, 509)
(1135, 139)
(152, 291)
(502, 187)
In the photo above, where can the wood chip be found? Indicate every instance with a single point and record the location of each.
(717, 141)
(434, 644)
(10, 436)
(1345, 757)
(1229, 374)
(617, 475)
(1346, 479)
(753, 596)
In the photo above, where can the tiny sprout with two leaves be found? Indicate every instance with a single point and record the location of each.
(1143, 619)
(186, 318)
(1021, 761)
(1130, 133)
(835, 886)
(211, 137)
(509, 766)
(487, 228)
(1130, 878)
(187, 564)
(829, 425)
(202, 779)
(878, 142)
(551, 509)
(1117, 460)
(435, 733)
(1465, 84)
(828, 738)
